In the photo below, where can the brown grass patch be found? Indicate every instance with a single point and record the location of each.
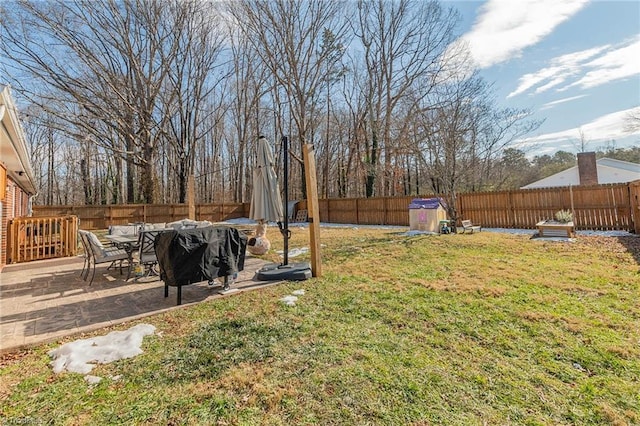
(544, 299)
(613, 418)
(608, 322)
(248, 382)
(574, 325)
(11, 361)
(623, 352)
(468, 285)
(243, 378)
(536, 316)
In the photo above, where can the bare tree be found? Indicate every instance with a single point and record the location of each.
(43, 145)
(104, 62)
(582, 141)
(464, 134)
(190, 83)
(632, 121)
(138, 95)
(403, 42)
(249, 83)
(287, 34)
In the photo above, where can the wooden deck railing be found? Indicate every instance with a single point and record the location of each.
(37, 238)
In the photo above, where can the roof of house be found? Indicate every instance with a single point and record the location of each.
(609, 171)
(13, 147)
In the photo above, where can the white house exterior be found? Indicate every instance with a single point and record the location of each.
(609, 171)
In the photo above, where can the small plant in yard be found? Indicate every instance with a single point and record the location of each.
(564, 216)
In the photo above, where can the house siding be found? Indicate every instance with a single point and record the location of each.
(15, 204)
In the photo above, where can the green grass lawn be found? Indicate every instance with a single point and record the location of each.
(474, 329)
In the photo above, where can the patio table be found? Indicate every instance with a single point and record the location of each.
(127, 242)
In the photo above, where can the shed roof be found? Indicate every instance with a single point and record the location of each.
(426, 203)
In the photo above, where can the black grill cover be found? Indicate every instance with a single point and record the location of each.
(189, 256)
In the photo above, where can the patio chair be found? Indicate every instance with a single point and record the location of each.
(101, 254)
(87, 254)
(124, 229)
(147, 251)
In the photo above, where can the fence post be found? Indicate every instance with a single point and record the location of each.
(386, 209)
(573, 213)
(634, 198)
(511, 210)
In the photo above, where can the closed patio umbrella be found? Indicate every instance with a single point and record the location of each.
(266, 202)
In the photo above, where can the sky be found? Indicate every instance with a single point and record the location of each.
(573, 63)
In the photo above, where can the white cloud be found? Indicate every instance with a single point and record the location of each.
(505, 28)
(606, 127)
(562, 68)
(614, 65)
(560, 101)
(588, 68)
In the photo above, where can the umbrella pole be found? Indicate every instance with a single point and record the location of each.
(284, 225)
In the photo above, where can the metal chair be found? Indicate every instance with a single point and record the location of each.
(101, 254)
(124, 229)
(87, 254)
(147, 251)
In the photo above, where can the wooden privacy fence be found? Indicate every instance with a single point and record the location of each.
(37, 238)
(598, 207)
(101, 217)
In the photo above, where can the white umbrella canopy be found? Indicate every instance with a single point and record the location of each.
(266, 202)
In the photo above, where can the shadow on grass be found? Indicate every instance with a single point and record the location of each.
(632, 244)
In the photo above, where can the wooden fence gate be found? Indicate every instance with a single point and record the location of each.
(37, 238)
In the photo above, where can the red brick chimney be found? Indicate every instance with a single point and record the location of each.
(587, 168)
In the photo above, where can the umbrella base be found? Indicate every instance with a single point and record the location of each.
(291, 272)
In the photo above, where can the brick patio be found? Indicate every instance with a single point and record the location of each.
(45, 300)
